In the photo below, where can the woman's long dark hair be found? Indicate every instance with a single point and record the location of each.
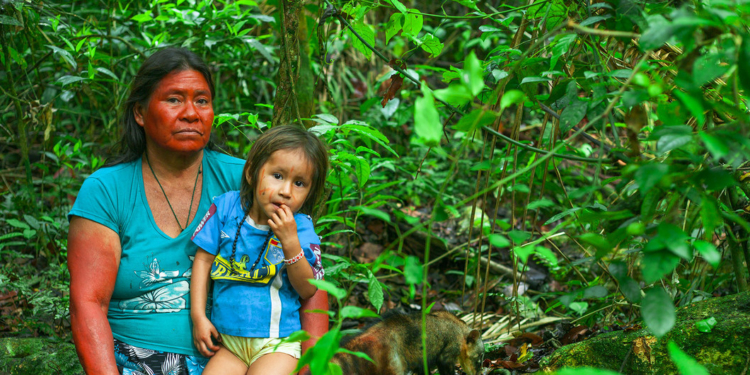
(133, 142)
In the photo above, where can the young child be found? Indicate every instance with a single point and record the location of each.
(260, 253)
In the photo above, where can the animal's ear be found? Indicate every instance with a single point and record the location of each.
(472, 337)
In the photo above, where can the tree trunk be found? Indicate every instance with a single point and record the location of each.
(294, 98)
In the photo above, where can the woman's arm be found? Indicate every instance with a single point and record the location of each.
(314, 323)
(203, 329)
(93, 260)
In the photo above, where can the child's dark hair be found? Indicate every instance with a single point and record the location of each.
(286, 137)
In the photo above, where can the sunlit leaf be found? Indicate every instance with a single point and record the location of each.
(401, 8)
(413, 22)
(511, 97)
(426, 120)
(393, 26)
(413, 270)
(709, 252)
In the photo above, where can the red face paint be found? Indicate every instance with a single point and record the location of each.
(180, 112)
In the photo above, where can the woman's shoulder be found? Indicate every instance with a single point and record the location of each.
(112, 174)
(224, 159)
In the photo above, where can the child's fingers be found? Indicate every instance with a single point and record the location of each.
(216, 334)
(203, 350)
(287, 211)
(210, 344)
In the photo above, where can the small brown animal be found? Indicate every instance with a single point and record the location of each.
(395, 346)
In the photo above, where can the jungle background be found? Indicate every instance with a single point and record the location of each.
(554, 172)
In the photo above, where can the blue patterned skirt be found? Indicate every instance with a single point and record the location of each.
(138, 361)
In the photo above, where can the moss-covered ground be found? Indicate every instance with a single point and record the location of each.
(724, 350)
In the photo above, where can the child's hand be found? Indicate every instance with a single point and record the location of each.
(203, 329)
(285, 228)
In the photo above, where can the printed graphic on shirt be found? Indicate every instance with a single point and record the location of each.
(221, 269)
(211, 212)
(275, 254)
(170, 297)
(317, 267)
(153, 275)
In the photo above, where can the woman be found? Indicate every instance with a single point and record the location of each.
(129, 249)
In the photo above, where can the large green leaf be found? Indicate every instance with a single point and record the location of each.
(354, 312)
(367, 33)
(659, 31)
(413, 22)
(413, 270)
(431, 45)
(601, 244)
(375, 292)
(473, 76)
(475, 120)
(401, 7)
(657, 264)
(709, 252)
(561, 46)
(715, 145)
(658, 312)
(573, 114)
(393, 26)
(511, 97)
(686, 364)
(455, 94)
(671, 137)
(427, 124)
(675, 239)
(329, 287)
(649, 175)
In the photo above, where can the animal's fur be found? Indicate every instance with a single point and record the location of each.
(395, 344)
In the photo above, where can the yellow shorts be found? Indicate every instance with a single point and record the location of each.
(249, 349)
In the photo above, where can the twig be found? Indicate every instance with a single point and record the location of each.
(543, 152)
(624, 361)
(588, 30)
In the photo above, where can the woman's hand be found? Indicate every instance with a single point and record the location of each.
(203, 330)
(285, 228)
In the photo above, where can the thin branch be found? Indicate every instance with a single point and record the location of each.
(540, 151)
(608, 33)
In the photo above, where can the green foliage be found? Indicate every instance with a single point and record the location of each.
(647, 101)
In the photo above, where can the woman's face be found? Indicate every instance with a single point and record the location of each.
(180, 112)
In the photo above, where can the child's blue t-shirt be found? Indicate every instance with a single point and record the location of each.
(252, 302)
(150, 304)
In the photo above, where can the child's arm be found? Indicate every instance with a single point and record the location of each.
(283, 225)
(203, 329)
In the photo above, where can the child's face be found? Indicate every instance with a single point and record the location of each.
(285, 179)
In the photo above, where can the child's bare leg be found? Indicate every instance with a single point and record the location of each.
(225, 363)
(273, 364)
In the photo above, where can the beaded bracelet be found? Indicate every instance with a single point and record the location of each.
(294, 259)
